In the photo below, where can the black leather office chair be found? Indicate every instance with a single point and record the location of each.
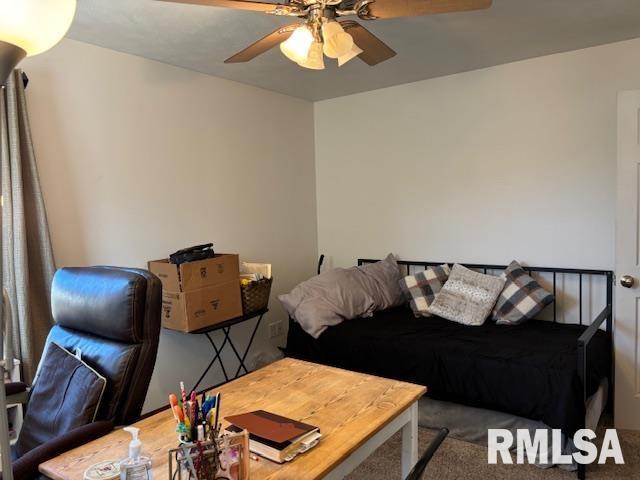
(418, 470)
(112, 315)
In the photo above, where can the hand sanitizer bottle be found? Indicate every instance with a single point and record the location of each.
(135, 467)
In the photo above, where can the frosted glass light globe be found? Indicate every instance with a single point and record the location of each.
(35, 25)
(314, 61)
(296, 47)
(350, 55)
(337, 42)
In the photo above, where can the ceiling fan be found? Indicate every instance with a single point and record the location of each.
(321, 32)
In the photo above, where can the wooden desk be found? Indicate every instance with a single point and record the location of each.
(356, 414)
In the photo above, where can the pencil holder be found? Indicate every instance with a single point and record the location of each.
(225, 458)
(194, 461)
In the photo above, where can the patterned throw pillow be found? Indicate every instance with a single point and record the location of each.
(468, 297)
(522, 298)
(420, 289)
(66, 395)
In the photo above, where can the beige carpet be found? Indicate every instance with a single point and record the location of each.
(461, 460)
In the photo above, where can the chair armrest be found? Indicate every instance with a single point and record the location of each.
(17, 392)
(15, 387)
(26, 467)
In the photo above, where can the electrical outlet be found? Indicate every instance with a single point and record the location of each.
(275, 329)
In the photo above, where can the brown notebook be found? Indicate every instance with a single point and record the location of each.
(270, 426)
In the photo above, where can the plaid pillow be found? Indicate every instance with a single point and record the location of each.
(421, 289)
(521, 299)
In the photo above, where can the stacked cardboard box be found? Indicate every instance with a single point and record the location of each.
(199, 294)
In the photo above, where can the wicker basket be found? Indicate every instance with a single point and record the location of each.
(255, 296)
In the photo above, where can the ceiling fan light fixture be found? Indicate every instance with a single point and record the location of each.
(324, 24)
(350, 55)
(296, 47)
(337, 42)
(315, 60)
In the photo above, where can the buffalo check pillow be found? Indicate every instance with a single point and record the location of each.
(522, 298)
(421, 289)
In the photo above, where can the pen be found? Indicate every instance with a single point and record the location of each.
(217, 409)
(183, 393)
(211, 418)
(173, 403)
(187, 420)
(194, 409)
(178, 414)
(206, 406)
(184, 401)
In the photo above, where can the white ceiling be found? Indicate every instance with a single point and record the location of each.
(200, 38)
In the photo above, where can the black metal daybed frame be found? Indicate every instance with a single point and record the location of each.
(605, 317)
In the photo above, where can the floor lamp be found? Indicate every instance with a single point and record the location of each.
(27, 28)
(7, 472)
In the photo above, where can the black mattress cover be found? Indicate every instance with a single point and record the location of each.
(528, 370)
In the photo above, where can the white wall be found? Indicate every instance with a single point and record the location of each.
(516, 161)
(138, 159)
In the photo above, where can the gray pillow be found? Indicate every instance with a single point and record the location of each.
(328, 299)
(383, 282)
(343, 294)
(467, 297)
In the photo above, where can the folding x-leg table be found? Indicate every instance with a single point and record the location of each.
(226, 330)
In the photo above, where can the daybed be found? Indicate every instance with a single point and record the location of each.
(541, 370)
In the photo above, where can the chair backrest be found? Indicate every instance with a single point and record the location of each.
(111, 316)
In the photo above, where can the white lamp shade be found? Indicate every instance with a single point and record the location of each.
(35, 25)
(337, 42)
(296, 47)
(314, 60)
(353, 53)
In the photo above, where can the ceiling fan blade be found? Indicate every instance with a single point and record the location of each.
(265, 43)
(373, 49)
(415, 8)
(238, 5)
